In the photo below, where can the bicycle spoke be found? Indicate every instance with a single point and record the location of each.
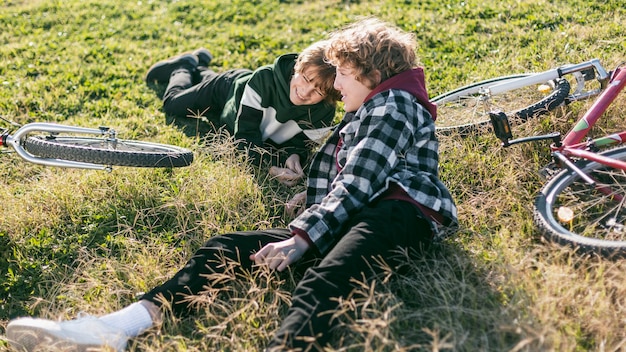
(596, 214)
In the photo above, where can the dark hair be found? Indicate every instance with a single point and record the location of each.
(313, 58)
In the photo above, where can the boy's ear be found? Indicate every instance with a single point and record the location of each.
(376, 78)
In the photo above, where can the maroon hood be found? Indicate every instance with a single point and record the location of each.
(411, 81)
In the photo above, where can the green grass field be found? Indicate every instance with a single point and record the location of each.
(90, 241)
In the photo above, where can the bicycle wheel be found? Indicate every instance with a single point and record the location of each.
(103, 152)
(465, 111)
(593, 219)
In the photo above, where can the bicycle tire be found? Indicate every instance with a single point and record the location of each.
(465, 111)
(102, 152)
(597, 222)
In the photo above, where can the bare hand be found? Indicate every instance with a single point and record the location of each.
(291, 173)
(293, 164)
(295, 205)
(279, 255)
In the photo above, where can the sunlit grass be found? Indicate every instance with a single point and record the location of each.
(86, 241)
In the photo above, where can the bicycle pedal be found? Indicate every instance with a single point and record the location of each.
(501, 126)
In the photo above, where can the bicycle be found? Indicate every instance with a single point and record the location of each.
(523, 96)
(58, 145)
(583, 204)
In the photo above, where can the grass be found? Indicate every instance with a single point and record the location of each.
(76, 240)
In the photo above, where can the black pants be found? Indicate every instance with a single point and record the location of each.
(375, 232)
(183, 98)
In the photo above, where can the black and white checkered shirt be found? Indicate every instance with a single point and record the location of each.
(390, 138)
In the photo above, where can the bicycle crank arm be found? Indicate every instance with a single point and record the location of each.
(555, 136)
(502, 129)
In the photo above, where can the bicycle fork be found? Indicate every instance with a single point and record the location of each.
(15, 142)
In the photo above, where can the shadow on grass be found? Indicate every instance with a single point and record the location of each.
(440, 300)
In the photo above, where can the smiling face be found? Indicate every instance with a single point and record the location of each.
(367, 53)
(304, 88)
(353, 91)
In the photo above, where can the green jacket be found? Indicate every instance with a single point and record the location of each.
(259, 112)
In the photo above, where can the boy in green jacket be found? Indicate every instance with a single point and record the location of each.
(274, 112)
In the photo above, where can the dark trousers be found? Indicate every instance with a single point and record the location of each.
(183, 98)
(375, 233)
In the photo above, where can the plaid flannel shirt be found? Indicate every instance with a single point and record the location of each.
(391, 138)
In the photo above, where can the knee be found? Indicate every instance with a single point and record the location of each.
(172, 108)
(223, 248)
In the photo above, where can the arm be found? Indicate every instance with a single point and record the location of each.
(298, 145)
(247, 130)
(315, 130)
(255, 98)
(370, 154)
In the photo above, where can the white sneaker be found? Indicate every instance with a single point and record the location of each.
(82, 334)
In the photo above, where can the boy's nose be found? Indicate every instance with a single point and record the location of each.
(307, 88)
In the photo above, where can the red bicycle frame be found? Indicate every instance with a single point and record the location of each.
(571, 145)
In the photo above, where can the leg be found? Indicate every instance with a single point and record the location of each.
(115, 329)
(182, 98)
(375, 232)
(87, 333)
(162, 70)
(217, 256)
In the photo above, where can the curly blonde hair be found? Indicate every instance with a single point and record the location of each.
(313, 58)
(374, 49)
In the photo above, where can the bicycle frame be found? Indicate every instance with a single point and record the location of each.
(571, 145)
(583, 71)
(15, 142)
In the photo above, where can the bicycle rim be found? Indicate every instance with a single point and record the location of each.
(465, 111)
(571, 212)
(105, 152)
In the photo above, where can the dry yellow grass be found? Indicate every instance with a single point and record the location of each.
(75, 240)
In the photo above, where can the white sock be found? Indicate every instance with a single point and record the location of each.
(133, 320)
